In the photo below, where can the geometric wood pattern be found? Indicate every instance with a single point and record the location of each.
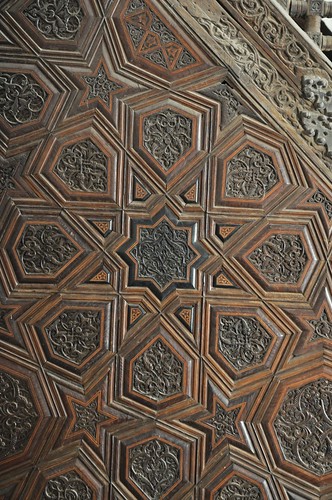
(165, 242)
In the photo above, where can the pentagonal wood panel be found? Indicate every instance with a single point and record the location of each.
(165, 242)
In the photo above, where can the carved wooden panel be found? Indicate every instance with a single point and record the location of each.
(165, 242)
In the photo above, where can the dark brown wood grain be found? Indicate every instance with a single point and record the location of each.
(165, 252)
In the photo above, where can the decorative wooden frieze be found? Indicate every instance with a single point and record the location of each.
(264, 74)
(317, 123)
(278, 36)
(252, 62)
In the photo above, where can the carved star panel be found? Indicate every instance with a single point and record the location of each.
(165, 252)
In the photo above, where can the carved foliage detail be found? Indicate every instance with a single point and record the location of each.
(319, 197)
(21, 98)
(167, 136)
(274, 33)
(18, 415)
(54, 19)
(67, 486)
(238, 488)
(154, 467)
(303, 426)
(317, 123)
(83, 167)
(264, 75)
(44, 249)
(74, 335)
(88, 417)
(250, 174)
(153, 40)
(281, 258)
(101, 86)
(322, 327)
(163, 253)
(242, 341)
(223, 422)
(158, 373)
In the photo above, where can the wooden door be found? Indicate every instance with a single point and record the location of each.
(165, 277)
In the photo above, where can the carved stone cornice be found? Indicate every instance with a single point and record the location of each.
(267, 55)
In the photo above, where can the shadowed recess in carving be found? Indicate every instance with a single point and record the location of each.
(154, 467)
(281, 258)
(100, 85)
(21, 98)
(7, 170)
(250, 174)
(239, 488)
(56, 20)
(74, 335)
(167, 136)
(163, 253)
(18, 415)
(303, 426)
(83, 167)
(158, 373)
(44, 249)
(2, 319)
(67, 486)
(242, 341)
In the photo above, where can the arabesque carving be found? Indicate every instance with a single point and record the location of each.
(154, 467)
(303, 426)
(22, 99)
(18, 415)
(158, 373)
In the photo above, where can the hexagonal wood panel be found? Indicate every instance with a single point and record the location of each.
(165, 252)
